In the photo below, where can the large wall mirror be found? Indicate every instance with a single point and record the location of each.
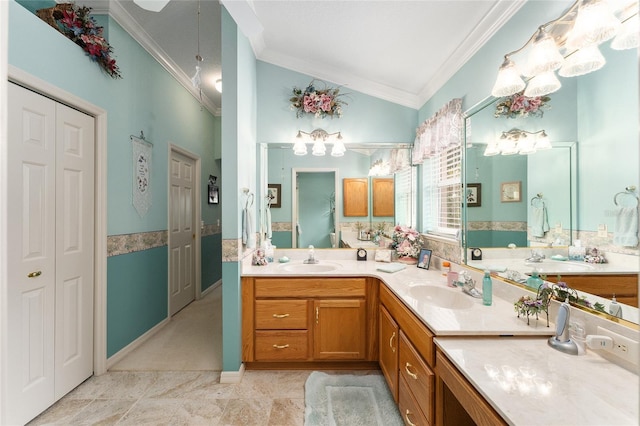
(312, 194)
(549, 199)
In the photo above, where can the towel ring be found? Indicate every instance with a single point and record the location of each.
(538, 198)
(629, 191)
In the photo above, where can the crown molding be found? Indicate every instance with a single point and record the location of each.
(126, 21)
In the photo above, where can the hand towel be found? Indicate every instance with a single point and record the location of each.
(391, 267)
(539, 221)
(247, 228)
(268, 224)
(626, 229)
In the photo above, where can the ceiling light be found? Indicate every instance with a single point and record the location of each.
(218, 85)
(582, 61)
(594, 24)
(152, 5)
(518, 141)
(319, 137)
(627, 37)
(508, 81)
(542, 84)
(544, 55)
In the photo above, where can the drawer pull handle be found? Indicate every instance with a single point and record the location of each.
(280, 315)
(406, 417)
(393, 349)
(34, 274)
(317, 314)
(280, 346)
(413, 375)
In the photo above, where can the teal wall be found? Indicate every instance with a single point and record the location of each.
(136, 295)
(496, 238)
(146, 99)
(211, 260)
(316, 219)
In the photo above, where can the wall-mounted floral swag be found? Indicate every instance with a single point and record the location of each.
(519, 105)
(81, 28)
(318, 102)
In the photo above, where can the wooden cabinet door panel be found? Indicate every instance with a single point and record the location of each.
(417, 375)
(383, 197)
(355, 197)
(281, 314)
(282, 345)
(389, 350)
(409, 407)
(340, 329)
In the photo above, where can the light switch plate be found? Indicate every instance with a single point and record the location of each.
(602, 230)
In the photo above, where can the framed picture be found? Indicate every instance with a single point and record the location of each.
(511, 192)
(214, 191)
(274, 193)
(473, 194)
(424, 259)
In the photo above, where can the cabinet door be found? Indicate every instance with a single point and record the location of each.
(383, 196)
(340, 329)
(389, 351)
(417, 376)
(355, 197)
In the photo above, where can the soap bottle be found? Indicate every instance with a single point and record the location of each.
(487, 289)
(614, 308)
(534, 281)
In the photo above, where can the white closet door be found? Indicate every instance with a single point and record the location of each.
(31, 258)
(74, 248)
(181, 232)
(50, 304)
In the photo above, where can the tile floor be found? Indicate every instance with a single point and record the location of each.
(174, 379)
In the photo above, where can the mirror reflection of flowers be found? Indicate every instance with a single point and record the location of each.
(406, 241)
(519, 105)
(76, 24)
(319, 102)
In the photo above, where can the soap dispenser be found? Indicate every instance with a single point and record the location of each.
(614, 308)
(534, 281)
(487, 289)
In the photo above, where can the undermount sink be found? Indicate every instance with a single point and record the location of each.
(441, 297)
(554, 266)
(310, 267)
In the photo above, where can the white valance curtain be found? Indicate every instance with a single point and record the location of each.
(439, 132)
(399, 160)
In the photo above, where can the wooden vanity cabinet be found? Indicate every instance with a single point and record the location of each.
(383, 197)
(407, 359)
(355, 197)
(309, 320)
(624, 286)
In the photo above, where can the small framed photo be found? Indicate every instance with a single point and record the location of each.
(274, 193)
(511, 192)
(424, 259)
(214, 191)
(473, 194)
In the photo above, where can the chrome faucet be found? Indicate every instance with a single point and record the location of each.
(312, 256)
(468, 285)
(536, 257)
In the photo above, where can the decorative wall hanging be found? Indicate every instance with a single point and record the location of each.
(141, 174)
(75, 23)
(473, 194)
(511, 192)
(274, 195)
(214, 191)
(318, 102)
(518, 105)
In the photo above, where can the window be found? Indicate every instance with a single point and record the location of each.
(406, 183)
(441, 196)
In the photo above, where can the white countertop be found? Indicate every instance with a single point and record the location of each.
(428, 303)
(584, 390)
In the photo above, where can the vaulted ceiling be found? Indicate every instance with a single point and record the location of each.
(396, 50)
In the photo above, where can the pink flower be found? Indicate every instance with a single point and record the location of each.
(309, 104)
(325, 102)
(518, 103)
(533, 104)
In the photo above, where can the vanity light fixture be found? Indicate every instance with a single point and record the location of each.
(516, 141)
(319, 138)
(570, 44)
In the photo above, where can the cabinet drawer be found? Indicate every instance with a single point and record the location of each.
(310, 287)
(409, 407)
(281, 314)
(417, 375)
(282, 345)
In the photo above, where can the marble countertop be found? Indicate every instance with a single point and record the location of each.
(566, 389)
(426, 293)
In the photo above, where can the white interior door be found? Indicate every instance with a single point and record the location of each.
(50, 297)
(181, 231)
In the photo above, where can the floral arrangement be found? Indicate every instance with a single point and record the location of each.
(319, 102)
(406, 241)
(81, 28)
(561, 292)
(519, 105)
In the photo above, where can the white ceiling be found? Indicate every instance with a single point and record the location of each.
(397, 50)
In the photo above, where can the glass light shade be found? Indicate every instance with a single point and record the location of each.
(338, 149)
(492, 149)
(628, 35)
(318, 148)
(526, 145)
(299, 147)
(218, 85)
(582, 61)
(594, 24)
(544, 55)
(542, 84)
(542, 141)
(508, 146)
(152, 5)
(508, 81)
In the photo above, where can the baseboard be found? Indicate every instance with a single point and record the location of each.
(232, 376)
(211, 288)
(118, 356)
